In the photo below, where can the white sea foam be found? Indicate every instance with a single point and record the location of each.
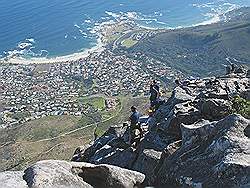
(112, 14)
(162, 23)
(87, 21)
(77, 26)
(83, 33)
(217, 12)
(31, 40)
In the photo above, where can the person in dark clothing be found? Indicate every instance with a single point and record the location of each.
(154, 93)
(134, 120)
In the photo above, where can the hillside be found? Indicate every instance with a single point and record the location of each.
(56, 137)
(195, 139)
(202, 50)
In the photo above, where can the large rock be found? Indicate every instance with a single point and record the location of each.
(181, 113)
(50, 174)
(215, 154)
(107, 176)
(11, 179)
(62, 174)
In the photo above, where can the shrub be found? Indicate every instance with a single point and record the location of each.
(241, 106)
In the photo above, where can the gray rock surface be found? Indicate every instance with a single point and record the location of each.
(50, 174)
(219, 150)
(11, 179)
(86, 153)
(107, 176)
(63, 174)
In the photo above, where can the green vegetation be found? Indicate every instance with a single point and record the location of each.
(96, 102)
(128, 42)
(241, 106)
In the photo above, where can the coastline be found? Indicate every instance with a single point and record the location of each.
(101, 31)
(99, 47)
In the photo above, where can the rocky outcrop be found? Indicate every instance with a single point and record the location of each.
(194, 140)
(62, 174)
(213, 154)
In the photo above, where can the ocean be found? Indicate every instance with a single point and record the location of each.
(43, 28)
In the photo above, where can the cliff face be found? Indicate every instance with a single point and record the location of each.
(192, 140)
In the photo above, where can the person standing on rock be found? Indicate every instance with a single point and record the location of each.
(134, 123)
(154, 93)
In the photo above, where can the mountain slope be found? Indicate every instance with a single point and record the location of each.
(202, 50)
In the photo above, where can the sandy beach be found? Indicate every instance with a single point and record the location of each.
(100, 46)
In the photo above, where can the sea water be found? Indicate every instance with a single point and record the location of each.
(44, 28)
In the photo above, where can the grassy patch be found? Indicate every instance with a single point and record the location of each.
(129, 42)
(46, 127)
(96, 102)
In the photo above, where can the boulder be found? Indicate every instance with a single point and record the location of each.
(181, 113)
(62, 174)
(12, 179)
(155, 140)
(107, 176)
(50, 174)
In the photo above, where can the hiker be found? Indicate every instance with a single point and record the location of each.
(154, 93)
(134, 124)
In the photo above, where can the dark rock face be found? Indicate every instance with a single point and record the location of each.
(105, 144)
(193, 141)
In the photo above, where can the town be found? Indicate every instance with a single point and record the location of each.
(29, 92)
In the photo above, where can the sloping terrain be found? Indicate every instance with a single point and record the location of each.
(202, 50)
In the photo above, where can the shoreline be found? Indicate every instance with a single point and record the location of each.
(100, 45)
